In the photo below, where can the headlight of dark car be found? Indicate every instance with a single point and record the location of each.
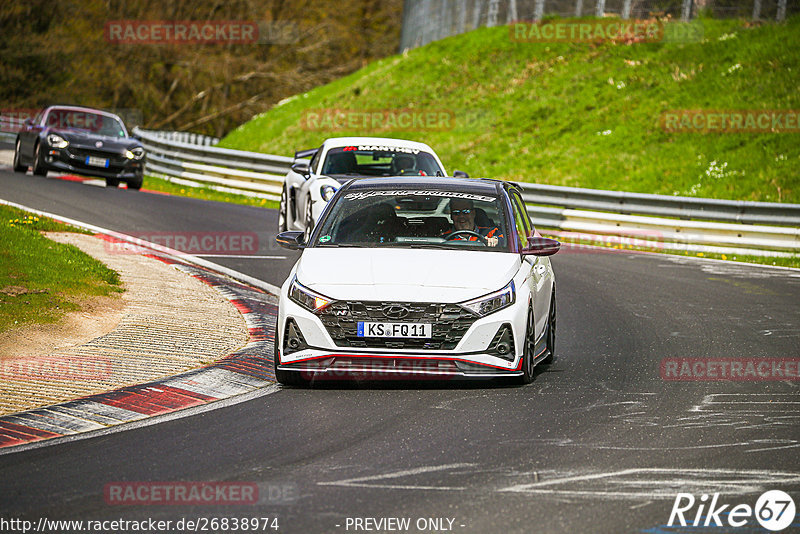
(135, 153)
(56, 141)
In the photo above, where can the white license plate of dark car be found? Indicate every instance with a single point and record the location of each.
(96, 162)
(408, 330)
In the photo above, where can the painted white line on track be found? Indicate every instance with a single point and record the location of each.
(171, 253)
(179, 414)
(364, 481)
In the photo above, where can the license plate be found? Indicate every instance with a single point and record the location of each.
(368, 329)
(96, 162)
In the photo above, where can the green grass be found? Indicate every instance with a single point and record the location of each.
(40, 279)
(578, 114)
(161, 185)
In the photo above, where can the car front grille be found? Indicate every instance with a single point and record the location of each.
(450, 323)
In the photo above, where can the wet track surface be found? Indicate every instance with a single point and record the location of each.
(599, 442)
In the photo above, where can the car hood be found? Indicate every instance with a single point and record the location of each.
(83, 138)
(411, 275)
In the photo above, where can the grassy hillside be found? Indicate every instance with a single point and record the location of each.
(578, 114)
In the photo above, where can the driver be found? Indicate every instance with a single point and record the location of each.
(462, 213)
(405, 164)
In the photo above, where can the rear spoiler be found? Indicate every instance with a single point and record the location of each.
(300, 154)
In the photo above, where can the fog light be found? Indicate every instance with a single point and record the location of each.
(293, 339)
(502, 344)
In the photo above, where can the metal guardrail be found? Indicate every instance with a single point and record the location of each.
(246, 173)
(9, 126)
(658, 221)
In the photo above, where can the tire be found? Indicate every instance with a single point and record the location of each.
(309, 220)
(38, 164)
(551, 331)
(135, 184)
(18, 167)
(112, 182)
(528, 351)
(283, 211)
(287, 378)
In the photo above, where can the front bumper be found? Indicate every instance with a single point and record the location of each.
(72, 160)
(363, 366)
(319, 355)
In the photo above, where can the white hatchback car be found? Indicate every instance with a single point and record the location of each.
(418, 278)
(310, 184)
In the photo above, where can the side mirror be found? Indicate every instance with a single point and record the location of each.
(541, 246)
(28, 122)
(302, 167)
(291, 240)
(460, 174)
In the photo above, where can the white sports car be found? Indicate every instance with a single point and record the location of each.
(418, 277)
(309, 185)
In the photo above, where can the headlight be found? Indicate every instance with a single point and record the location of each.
(306, 298)
(492, 302)
(56, 141)
(327, 192)
(136, 153)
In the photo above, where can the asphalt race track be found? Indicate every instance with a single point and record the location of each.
(600, 442)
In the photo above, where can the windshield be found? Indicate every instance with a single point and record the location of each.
(106, 125)
(415, 219)
(380, 161)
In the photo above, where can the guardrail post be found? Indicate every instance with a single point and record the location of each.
(781, 15)
(600, 8)
(626, 9)
(538, 10)
(756, 9)
(686, 10)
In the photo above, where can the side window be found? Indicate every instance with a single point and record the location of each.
(315, 161)
(521, 219)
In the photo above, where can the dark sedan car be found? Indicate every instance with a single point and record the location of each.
(81, 140)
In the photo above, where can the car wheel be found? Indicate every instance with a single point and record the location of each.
(38, 164)
(17, 166)
(309, 219)
(551, 331)
(134, 184)
(112, 182)
(528, 351)
(288, 378)
(283, 223)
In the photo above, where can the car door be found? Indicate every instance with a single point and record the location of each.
(28, 135)
(540, 279)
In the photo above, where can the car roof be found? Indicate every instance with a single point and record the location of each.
(467, 185)
(335, 142)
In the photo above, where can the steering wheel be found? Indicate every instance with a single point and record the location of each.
(467, 232)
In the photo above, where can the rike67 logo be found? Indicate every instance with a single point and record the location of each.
(774, 510)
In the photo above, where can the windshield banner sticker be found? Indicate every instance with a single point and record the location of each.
(418, 193)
